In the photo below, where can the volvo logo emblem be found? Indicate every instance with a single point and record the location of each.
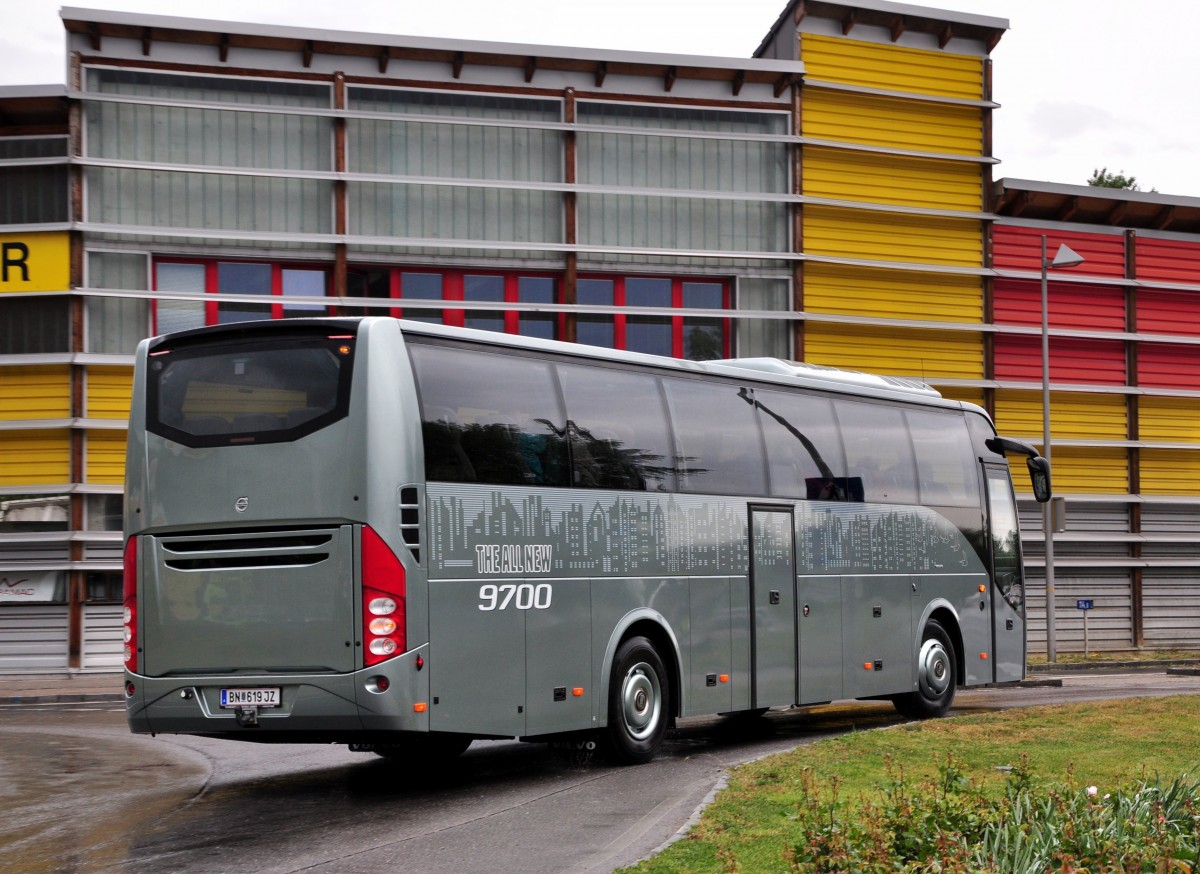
(241, 504)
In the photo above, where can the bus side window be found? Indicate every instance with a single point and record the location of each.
(720, 448)
(878, 450)
(945, 462)
(618, 429)
(489, 418)
(803, 446)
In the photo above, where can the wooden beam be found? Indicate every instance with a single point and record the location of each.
(531, 66)
(670, 77)
(385, 56)
(1116, 215)
(800, 11)
(739, 80)
(147, 38)
(307, 54)
(899, 25)
(601, 73)
(783, 83)
(945, 35)
(223, 48)
(460, 60)
(1164, 218)
(849, 21)
(94, 36)
(1069, 209)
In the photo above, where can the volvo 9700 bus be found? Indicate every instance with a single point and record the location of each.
(404, 537)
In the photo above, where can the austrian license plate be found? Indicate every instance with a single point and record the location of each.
(268, 697)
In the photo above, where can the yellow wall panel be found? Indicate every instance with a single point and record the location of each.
(1080, 415)
(1083, 471)
(1170, 472)
(961, 393)
(891, 67)
(106, 457)
(877, 236)
(1168, 420)
(35, 458)
(894, 352)
(834, 288)
(108, 392)
(35, 392)
(873, 178)
(890, 122)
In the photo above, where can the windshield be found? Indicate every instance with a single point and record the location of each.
(259, 389)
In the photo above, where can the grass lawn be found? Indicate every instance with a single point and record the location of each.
(906, 783)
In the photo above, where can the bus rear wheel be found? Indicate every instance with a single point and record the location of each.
(936, 676)
(639, 696)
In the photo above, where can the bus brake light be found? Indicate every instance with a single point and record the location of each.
(129, 598)
(383, 592)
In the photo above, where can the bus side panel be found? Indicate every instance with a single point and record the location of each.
(476, 660)
(819, 601)
(710, 648)
(877, 642)
(973, 609)
(558, 655)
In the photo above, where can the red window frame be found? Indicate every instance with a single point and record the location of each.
(211, 283)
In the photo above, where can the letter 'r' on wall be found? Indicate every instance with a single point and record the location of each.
(35, 262)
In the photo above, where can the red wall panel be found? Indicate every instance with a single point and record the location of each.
(1165, 365)
(1168, 312)
(1082, 362)
(1168, 260)
(1085, 307)
(1016, 248)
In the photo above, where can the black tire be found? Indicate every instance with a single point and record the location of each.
(937, 676)
(639, 703)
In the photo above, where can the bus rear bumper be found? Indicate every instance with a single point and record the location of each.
(388, 697)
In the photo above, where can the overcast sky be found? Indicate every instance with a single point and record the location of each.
(1082, 83)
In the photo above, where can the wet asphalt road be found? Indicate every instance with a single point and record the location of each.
(80, 794)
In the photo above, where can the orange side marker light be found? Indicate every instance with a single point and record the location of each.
(577, 691)
(420, 707)
(724, 678)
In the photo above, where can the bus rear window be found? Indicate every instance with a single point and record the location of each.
(259, 391)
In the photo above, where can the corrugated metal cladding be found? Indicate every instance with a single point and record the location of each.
(959, 393)
(1169, 420)
(1077, 470)
(894, 352)
(109, 390)
(1168, 312)
(1168, 365)
(1019, 248)
(1171, 608)
(33, 638)
(890, 122)
(891, 67)
(103, 641)
(1081, 416)
(1170, 472)
(105, 457)
(1085, 307)
(1168, 260)
(1109, 623)
(1088, 362)
(902, 181)
(889, 237)
(34, 458)
(35, 393)
(1169, 518)
(833, 288)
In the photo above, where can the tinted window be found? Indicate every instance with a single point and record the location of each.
(258, 390)
(489, 418)
(720, 448)
(878, 451)
(618, 426)
(803, 446)
(945, 462)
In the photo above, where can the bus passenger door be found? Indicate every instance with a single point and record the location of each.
(773, 605)
(1008, 586)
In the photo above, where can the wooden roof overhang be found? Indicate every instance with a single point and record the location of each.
(1092, 205)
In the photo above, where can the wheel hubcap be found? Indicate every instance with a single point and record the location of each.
(933, 670)
(641, 701)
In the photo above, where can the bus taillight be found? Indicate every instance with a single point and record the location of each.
(383, 600)
(129, 598)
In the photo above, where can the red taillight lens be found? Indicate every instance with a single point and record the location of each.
(129, 592)
(383, 600)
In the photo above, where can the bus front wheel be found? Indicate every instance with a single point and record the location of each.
(638, 703)
(936, 676)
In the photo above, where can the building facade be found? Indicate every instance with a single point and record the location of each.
(830, 199)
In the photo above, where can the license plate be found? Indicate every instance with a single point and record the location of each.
(250, 697)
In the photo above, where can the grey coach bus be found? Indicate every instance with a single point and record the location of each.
(402, 537)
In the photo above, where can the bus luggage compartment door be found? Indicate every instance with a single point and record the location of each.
(773, 600)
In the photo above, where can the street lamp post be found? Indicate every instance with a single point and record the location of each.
(1064, 257)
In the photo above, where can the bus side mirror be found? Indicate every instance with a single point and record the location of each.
(1039, 474)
